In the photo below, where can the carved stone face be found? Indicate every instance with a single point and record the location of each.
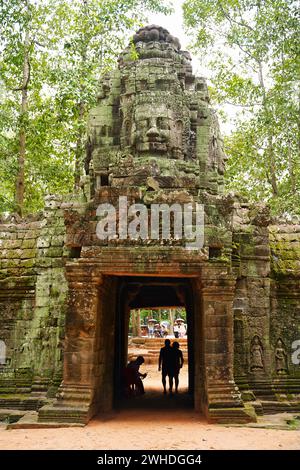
(156, 130)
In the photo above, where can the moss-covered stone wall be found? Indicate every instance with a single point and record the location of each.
(32, 300)
(285, 290)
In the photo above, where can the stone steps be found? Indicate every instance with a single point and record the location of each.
(238, 415)
(21, 403)
(274, 407)
(30, 421)
(156, 341)
(149, 359)
(149, 348)
(75, 414)
(11, 416)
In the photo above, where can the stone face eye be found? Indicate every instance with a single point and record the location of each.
(163, 123)
(142, 123)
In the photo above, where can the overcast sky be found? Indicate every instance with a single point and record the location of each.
(174, 24)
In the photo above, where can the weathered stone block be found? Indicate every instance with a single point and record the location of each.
(57, 241)
(28, 243)
(11, 254)
(42, 301)
(27, 263)
(43, 242)
(31, 234)
(28, 253)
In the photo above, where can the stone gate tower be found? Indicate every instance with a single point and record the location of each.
(65, 293)
(153, 124)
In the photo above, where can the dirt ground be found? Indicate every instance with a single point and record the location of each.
(153, 422)
(132, 429)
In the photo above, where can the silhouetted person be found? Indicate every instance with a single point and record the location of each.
(164, 363)
(133, 376)
(175, 365)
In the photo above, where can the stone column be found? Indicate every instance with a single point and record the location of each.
(76, 395)
(223, 398)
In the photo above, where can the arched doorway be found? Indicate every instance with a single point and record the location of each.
(95, 340)
(152, 293)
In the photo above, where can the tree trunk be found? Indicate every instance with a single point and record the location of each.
(133, 323)
(79, 158)
(171, 317)
(272, 165)
(291, 167)
(79, 145)
(159, 315)
(20, 181)
(138, 321)
(270, 149)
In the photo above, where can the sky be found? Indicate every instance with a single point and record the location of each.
(174, 24)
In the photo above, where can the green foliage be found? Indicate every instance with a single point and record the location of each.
(159, 315)
(254, 54)
(72, 43)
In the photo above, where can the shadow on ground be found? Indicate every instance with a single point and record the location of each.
(156, 400)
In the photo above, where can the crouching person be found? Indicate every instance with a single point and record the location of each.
(133, 377)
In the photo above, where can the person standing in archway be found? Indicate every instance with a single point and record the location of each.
(175, 365)
(164, 363)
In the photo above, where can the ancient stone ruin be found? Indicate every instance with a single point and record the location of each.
(65, 294)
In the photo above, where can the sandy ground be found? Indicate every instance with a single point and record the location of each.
(154, 422)
(132, 429)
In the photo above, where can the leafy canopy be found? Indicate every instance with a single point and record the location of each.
(253, 50)
(71, 44)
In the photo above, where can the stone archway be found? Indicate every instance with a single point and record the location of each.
(152, 292)
(88, 382)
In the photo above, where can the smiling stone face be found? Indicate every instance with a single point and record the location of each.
(155, 130)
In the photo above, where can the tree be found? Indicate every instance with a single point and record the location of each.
(52, 55)
(254, 55)
(26, 37)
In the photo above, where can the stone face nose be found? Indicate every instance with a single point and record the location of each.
(153, 132)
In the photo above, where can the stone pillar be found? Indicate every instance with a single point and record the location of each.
(223, 399)
(76, 396)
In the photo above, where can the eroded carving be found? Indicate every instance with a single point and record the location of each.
(281, 358)
(256, 356)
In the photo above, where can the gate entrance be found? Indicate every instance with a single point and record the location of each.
(103, 291)
(148, 308)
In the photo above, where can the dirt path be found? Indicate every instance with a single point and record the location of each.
(137, 429)
(154, 422)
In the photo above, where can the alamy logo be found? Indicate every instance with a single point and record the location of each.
(296, 353)
(157, 222)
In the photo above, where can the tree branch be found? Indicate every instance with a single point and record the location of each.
(233, 20)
